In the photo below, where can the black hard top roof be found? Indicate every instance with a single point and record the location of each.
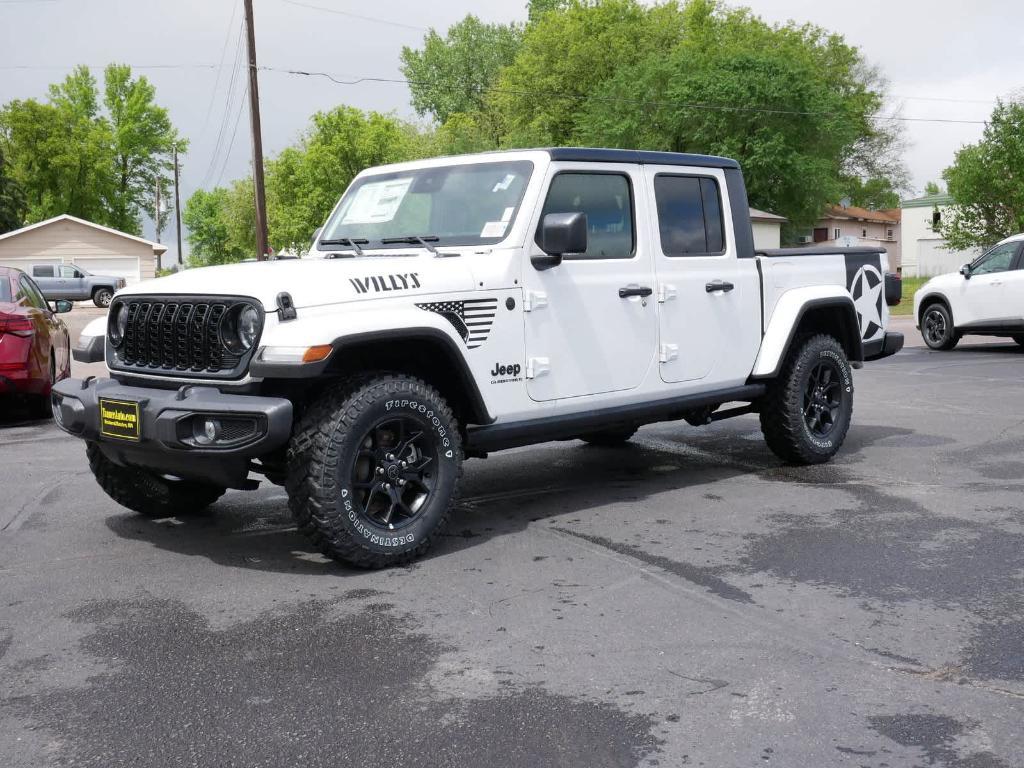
(643, 157)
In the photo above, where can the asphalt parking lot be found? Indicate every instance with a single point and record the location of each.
(685, 600)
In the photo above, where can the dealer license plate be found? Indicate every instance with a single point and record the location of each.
(120, 419)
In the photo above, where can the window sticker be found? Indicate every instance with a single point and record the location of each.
(494, 229)
(376, 202)
(508, 213)
(505, 183)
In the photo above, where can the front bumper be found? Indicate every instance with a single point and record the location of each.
(170, 428)
(889, 344)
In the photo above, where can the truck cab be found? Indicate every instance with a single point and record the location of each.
(456, 306)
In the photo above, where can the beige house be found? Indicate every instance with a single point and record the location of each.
(848, 225)
(70, 240)
(767, 228)
(926, 253)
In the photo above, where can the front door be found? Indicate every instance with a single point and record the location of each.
(582, 337)
(709, 300)
(987, 297)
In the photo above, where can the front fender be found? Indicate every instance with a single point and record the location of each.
(785, 319)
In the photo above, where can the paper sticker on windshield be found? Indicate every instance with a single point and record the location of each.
(505, 183)
(376, 202)
(494, 229)
(508, 213)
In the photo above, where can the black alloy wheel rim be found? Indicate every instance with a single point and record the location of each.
(935, 327)
(393, 472)
(823, 398)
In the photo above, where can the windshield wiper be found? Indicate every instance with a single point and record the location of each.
(425, 241)
(353, 242)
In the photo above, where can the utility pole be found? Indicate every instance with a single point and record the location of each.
(257, 139)
(177, 204)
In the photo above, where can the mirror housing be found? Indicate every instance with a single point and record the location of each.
(561, 234)
(62, 306)
(965, 270)
(316, 234)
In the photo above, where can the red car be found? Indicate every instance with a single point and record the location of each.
(35, 348)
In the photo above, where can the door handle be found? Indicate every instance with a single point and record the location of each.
(635, 290)
(718, 285)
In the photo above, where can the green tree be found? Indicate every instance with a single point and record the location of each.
(986, 182)
(305, 181)
(206, 215)
(931, 188)
(873, 194)
(452, 74)
(12, 199)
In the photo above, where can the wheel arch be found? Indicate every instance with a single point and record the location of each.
(934, 298)
(834, 315)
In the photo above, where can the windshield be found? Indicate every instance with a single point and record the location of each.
(449, 205)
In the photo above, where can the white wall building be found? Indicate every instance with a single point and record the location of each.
(925, 253)
(767, 228)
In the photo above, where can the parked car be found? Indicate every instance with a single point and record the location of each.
(472, 304)
(985, 298)
(35, 349)
(72, 283)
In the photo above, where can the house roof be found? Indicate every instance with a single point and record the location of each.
(756, 215)
(855, 213)
(927, 201)
(157, 247)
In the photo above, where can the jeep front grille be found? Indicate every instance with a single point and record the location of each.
(177, 336)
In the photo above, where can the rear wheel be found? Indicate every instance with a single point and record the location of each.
(609, 438)
(102, 296)
(146, 493)
(806, 412)
(937, 327)
(374, 469)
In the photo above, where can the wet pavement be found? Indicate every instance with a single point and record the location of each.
(685, 600)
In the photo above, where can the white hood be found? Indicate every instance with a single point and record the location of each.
(314, 282)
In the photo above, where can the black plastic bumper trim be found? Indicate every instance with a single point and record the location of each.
(89, 349)
(889, 344)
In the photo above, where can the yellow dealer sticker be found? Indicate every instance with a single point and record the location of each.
(120, 419)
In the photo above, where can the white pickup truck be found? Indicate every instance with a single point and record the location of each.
(461, 305)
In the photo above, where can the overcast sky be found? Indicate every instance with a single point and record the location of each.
(944, 59)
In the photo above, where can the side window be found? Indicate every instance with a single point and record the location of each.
(31, 293)
(689, 215)
(996, 260)
(607, 199)
(42, 270)
(68, 271)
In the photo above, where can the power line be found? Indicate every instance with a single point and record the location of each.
(101, 66)
(234, 132)
(359, 16)
(616, 100)
(226, 118)
(220, 69)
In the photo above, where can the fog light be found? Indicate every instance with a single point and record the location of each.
(207, 431)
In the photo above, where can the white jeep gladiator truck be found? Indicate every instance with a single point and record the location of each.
(456, 306)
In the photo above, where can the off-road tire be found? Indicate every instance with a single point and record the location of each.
(101, 297)
(609, 438)
(945, 341)
(326, 444)
(146, 493)
(782, 408)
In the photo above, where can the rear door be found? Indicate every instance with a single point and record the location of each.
(46, 277)
(582, 337)
(709, 300)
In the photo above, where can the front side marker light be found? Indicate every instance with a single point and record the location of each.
(296, 354)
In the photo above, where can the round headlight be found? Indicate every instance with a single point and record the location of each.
(118, 324)
(248, 326)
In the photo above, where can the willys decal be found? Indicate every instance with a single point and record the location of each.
(382, 283)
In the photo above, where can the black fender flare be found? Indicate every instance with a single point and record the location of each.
(850, 339)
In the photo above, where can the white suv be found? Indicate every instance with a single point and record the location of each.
(986, 298)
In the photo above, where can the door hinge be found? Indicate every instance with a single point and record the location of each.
(668, 352)
(666, 292)
(534, 300)
(537, 366)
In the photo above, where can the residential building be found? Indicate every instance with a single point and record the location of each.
(926, 253)
(850, 225)
(97, 249)
(767, 228)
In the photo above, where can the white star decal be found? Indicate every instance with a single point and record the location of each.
(867, 298)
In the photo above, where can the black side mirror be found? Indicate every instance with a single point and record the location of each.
(62, 306)
(965, 270)
(561, 234)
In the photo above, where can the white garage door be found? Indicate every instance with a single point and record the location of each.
(128, 267)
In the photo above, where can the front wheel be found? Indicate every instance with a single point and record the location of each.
(374, 469)
(806, 412)
(937, 327)
(101, 298)
(146, 493)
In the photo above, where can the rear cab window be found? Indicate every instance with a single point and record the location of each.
(42, 270)
(690, 221)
